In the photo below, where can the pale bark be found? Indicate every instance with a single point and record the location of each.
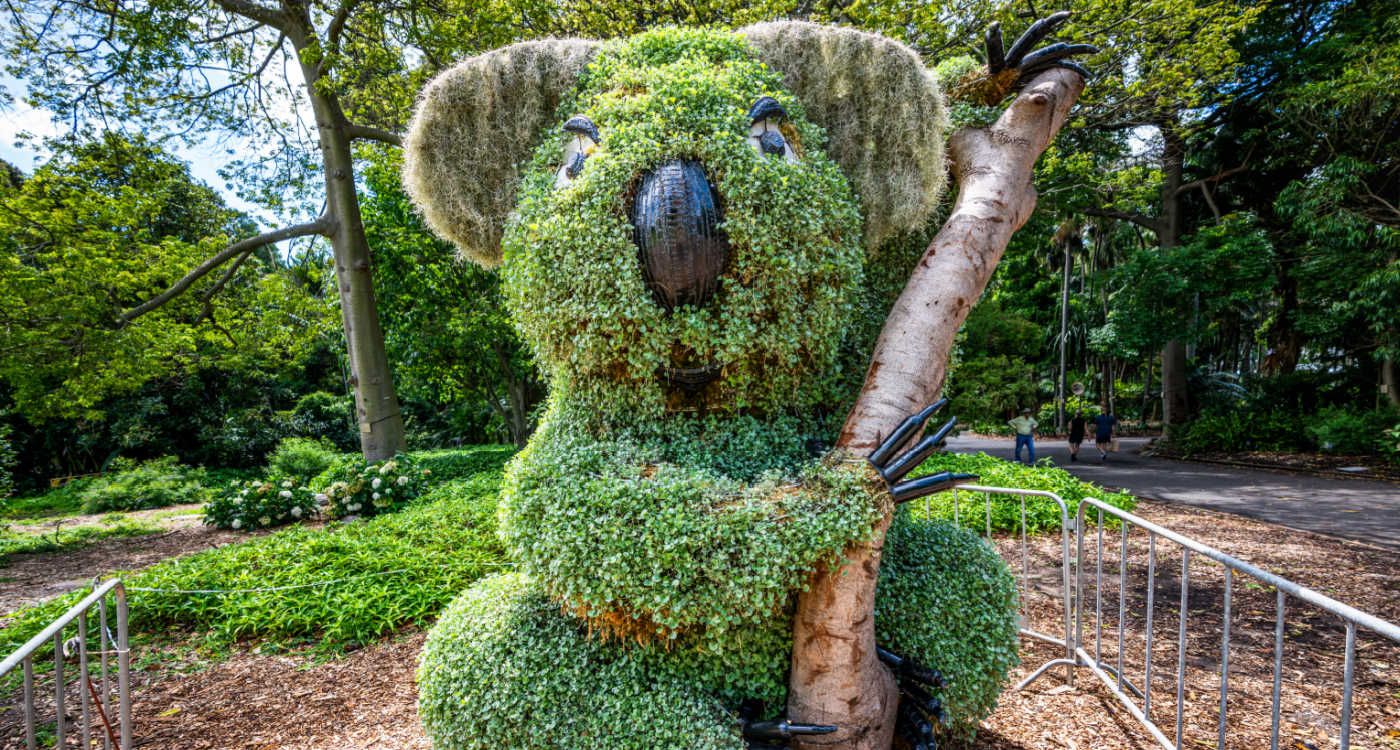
(836, 676)
(376, 405)
(1390, 378)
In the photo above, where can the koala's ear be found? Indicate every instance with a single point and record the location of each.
(473, 129)
(882, 110)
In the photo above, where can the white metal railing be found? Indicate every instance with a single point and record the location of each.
(114, 725)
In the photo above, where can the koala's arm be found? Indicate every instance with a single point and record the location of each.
(647, 548)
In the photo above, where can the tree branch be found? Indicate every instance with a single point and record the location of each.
(260, 13)
(368, 133)
(994, 167)
(1146, 222)
(1217, 177)
(319, 226)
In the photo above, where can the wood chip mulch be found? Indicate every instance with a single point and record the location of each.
(367, 699)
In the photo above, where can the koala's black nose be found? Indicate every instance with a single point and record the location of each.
(675, 224)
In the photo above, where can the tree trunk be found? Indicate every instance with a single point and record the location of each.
(836, 676)
(376, 405)
(1390, 380)
(1176, 404)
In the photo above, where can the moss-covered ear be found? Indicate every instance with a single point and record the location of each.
(882, 110)
(473, 129)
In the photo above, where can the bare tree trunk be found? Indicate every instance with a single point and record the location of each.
(836, 676)
(376, 405)
(1176, 404)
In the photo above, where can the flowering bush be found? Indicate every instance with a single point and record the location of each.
(259, 504)
(377, 488)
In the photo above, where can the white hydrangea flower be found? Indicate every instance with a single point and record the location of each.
(237, 524)
(401, 481)
(265, 521)
(296, 511)
(285, 494)
(377, 481)
(376, 496)
(287, 484)
(353, 507)
(321, 498)
(386, 468)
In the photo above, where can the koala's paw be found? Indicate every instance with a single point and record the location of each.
(893, 468)
(919, 707)
(773, 734)
(1009, 69)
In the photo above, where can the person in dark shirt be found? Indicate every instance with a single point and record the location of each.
(1103, 433)
(1076, 435)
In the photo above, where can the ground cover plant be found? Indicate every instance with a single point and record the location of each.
(1041, 514)
(388, 571)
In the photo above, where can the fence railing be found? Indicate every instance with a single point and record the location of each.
(1112, 668)
(1065, 639)
(97, 714)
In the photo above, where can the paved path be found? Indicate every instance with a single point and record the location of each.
(1365, 511)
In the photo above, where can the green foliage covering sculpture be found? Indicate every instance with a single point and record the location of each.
(686, 260)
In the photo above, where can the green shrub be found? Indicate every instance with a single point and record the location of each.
(385, 573)
(1393, 444)
(1338, 430)
(1042, 514)
(447, 464)
(948, 600)
(325, 416)
(384, 487)
(504, 668)
(149, 484)
(301, 458)
(260, 504)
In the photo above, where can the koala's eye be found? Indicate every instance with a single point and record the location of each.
(583, 141)
(766, 117)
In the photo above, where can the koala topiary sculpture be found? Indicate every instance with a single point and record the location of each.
(682, 221)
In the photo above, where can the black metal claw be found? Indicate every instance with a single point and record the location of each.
(782, 729)
(923, 700)
(896, 470)
(1047, 56)
(906, 430)
(1032, 36)
(905, 667)
(996, 54)
(929, 485)
(911, 732)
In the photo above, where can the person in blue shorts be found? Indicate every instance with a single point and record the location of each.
(1103, 433)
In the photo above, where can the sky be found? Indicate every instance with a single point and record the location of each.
(20, 119)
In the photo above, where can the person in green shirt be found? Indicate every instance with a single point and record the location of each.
(1024, 426)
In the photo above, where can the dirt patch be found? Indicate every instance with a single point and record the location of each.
(28, 579)
(1050, 714)
(367, 699)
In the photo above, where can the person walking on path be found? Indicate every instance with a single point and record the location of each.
(1076, 435)
(1103, 433)
(1025, 434)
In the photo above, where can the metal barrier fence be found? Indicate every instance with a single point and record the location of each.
(1066, 639)
(1137, 698)
(92, 699)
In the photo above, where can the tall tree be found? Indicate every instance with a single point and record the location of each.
(100, 227)
(248, 70)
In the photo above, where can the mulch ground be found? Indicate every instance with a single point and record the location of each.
(31, 578)
(366, 699)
